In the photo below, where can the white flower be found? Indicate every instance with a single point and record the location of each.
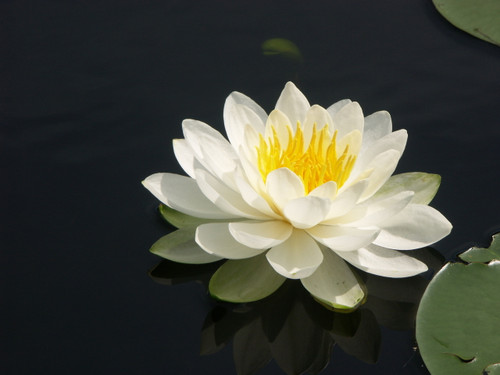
(297, 194)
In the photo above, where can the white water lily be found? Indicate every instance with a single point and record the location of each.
(298, 194)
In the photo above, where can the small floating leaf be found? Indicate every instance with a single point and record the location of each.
(480, 18)
(483, 255)
(458, 321)
(284, 47)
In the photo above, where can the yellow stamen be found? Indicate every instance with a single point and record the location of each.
(317, 164)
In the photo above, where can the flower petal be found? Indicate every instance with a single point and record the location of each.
(318, 117)
(184, 155)
(335, 107)
(297, 257)
(334, 284)
(245, 280)
(383, 262)
(236, 117)
(225, 198)
(212, 150)
(327, 190)
(293, 104)
(278, 123)
(415, 227)
(425, 186)
(180, 246)
(216, 239)
(382, 168)
(348, 118)
(283, 185)
(340, 238)
(345, 201)
(260, 234)
(306, 212)
(183, 194)
(377, 125)
(253, 199)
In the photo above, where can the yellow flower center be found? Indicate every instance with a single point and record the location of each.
(315, 164)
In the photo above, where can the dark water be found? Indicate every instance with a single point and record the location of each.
(91, 94)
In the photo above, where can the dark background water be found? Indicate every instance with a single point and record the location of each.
(91, 94)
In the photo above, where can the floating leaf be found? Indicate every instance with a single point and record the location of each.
(480, 18)
(284, 47)
(458, 321)
(483, 255)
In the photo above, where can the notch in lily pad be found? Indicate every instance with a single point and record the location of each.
(483, 255)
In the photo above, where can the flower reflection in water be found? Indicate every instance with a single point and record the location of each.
(293, 329)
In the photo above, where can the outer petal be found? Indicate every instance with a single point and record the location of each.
(260, 234)
(180, 246)
(184, 155)
(297, 257)
(212, 150)
(425, 186)
(335, 107)
(245, 280)
(183, 194)
(236, 117)
(383, 262)
(293, 103)
(255, 200)
(334, 283)
(345, 201)
(377, 125)
(327, 190)
(225, 198)
(216, 239)
(343, 238)
(306, 212)
(348, 118)
(415, 227)
(283, 185)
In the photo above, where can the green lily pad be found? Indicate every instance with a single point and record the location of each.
(480, 18)
(483, 255)
(245, 280)
(458, 321)
(283, 47)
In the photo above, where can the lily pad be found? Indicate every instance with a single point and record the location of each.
(283, 47)
(480, 18)
(484, 255)
(458, 321)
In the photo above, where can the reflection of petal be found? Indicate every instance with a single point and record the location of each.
(245, 280)
(251, 350)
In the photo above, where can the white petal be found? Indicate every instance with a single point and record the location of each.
(281, 124)
(306, 212)
(225, 198)
(283, 185)
(383, 262)
(216, 239)
(184, 155)
(297, 257)
(348, 118)
(251, 172)
(345, 201)
(335, 107)
(379, 211)
(326, 190)
(377, 125)
(253, 199)
(424, 185)
(260, 234)
(236, 117)
(343, 238)
(334, 283)
(183, 194)
(239, 98)
(293, 103)
(315, 116)
(382, 167)
(415, 227)
(211, 149)
(393, 141)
